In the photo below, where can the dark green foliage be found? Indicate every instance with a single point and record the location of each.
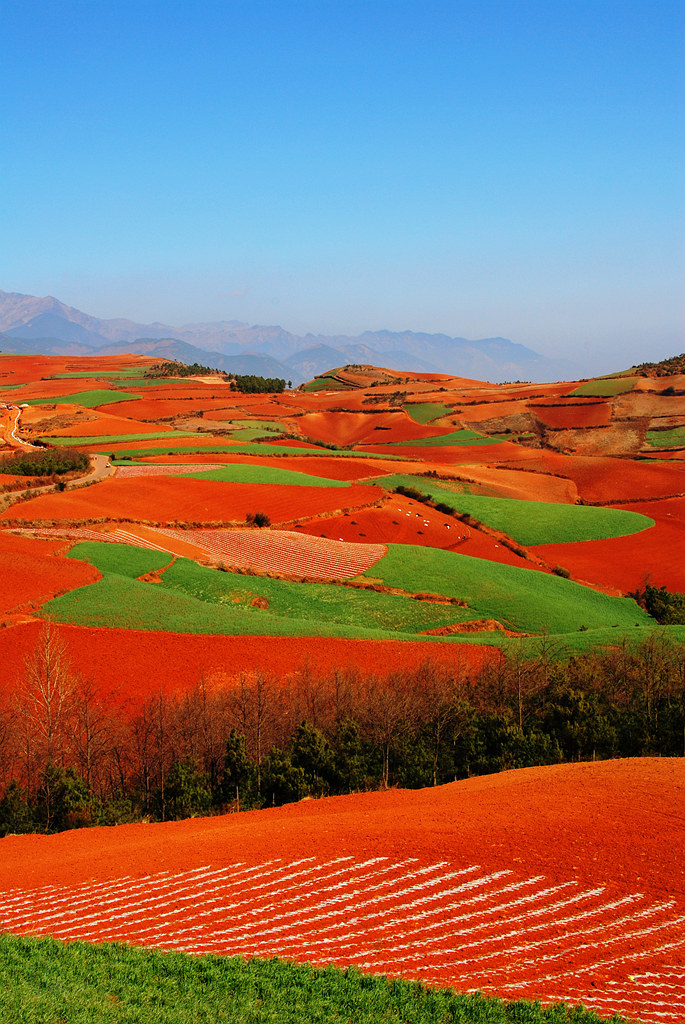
(46, 980)
(186, 793)
(258, 519)
(667, 607)
(15, 814)
(664, 368)
(64, 800)
(281, 780)
(238, 772)
(44, 462)
(251, 384)
(311, 753)
(172, 368)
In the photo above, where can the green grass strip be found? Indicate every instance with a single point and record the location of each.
(249, 449)
(606, 387)
(674, 438)
(43, 980)
(231, 595)
(424, 412)
(88, 399)
(95, 374)
(121, 438)
(458, 438)
(524, 600)
(561, 646)
(245, 473)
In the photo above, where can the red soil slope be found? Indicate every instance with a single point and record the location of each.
(32, 573)
(173, 499)
(655, 556)
(564, 882)
(134, 665)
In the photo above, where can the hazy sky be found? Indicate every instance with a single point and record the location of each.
(476, 168)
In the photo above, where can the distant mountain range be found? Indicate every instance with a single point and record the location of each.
(47, 326)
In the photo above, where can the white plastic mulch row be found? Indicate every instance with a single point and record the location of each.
(442, 923)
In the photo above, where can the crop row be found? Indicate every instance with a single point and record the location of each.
(283, 552)
(496, 931)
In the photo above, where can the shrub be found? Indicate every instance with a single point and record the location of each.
(559, 570)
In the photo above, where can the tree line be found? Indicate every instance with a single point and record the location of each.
(44, 462)
(71, 757)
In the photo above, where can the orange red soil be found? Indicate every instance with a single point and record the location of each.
(173, 499)
(32, 573)
(564, 882)
(624, 564)
(135, 665)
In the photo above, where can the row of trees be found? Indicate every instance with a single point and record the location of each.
(44, 462)
(69, 756)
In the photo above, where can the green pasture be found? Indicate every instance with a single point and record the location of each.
(153, 435)
(195, 599)
(96, 374)
(526, 522)
(325, 384)
(560, 646)
(674, 438)
(272, 426)
(424, 412)
(605, 387)
(88, 399)
(459, 438)
(246, 473)
(251, 448)
(524, 600)
(224, 600)
(44, 980)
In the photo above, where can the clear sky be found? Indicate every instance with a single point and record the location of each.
(476, 168)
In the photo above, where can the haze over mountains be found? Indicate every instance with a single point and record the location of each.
(47, 326)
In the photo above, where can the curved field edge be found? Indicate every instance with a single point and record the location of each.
(190, 598)
(44, 979)
(527, 522)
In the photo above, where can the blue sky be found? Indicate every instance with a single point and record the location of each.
(474, 168)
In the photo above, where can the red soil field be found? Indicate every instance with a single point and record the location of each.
(157, 408)
(318, 465)
(491, 409)
(108, 424)
(655, 556)
(403, 521)
(32, 573)
(591, 414)
(364, 428)
(201, 441)
(563, 882)
(135, 665)
(174, 499)
(602, 479)
(505, 451)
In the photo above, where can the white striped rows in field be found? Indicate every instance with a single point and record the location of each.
(445, 924)
(283, 551)
(117, 536)
(177, 469)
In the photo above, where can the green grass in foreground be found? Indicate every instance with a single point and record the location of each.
(605, 387)
(245, 473)
(195, 599)
(674, 438)
(521, 599)
(221, 602)
(88, 399)
(424, 412)
(42, 980)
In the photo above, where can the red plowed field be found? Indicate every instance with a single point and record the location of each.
(595, 414)
(602, 479)
(106, 425)
(32, 572)
(364, 428)
(551, 883)
(332, 468)
(136, 665)
(403, 521)
(655, 556)
(173, 499)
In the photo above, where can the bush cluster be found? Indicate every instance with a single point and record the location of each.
(44, 462)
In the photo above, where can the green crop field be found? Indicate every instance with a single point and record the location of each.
(674, 438)
(424, 412)
(224, 600)
(153, 435)
(460, 438)
(42, 980)
(524, 600)
(246, 473)
(605, 387)
(325, 383)
(560, 646)
(96, 374)
(527, 522)
(88, 399)
(251, 448)
(195, 599)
